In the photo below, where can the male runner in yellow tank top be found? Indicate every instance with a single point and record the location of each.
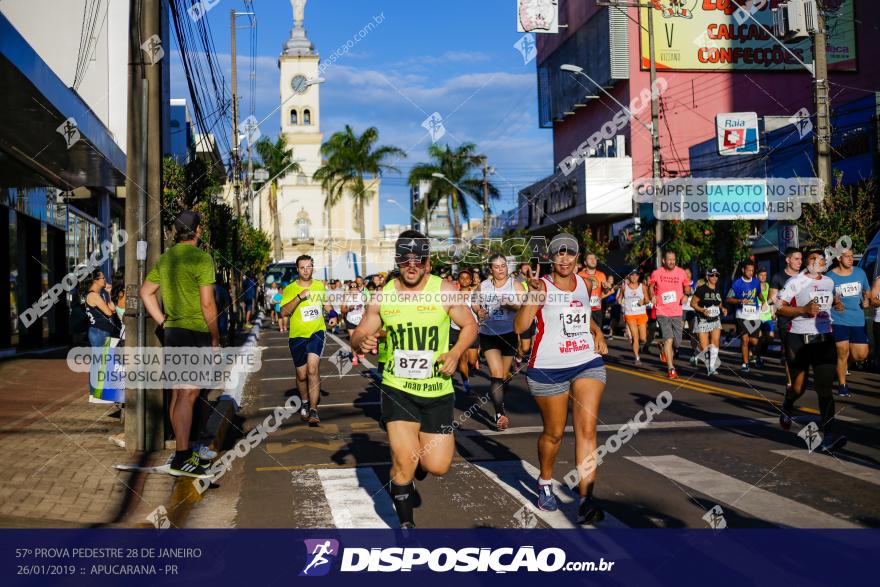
(417, 395)
(303, 300)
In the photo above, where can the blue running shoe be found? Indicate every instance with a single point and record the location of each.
(546, 498)
(843, 390)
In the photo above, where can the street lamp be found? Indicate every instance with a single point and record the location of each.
(653, 128)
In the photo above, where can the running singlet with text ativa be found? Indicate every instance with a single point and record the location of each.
(417, 334)
(563, 338)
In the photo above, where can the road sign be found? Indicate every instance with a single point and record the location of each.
(787, 236)
(737, 133)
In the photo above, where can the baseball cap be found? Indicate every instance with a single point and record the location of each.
(712, 271)
(634, 271)
(187, 222)
(563, 242)
(418, 246)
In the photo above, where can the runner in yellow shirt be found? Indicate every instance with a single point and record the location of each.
(303, 300)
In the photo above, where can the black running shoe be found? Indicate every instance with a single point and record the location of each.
(589, 513)
(407, 526)
(314, 420)
(785, 417)
(832, 442)
(189, 467)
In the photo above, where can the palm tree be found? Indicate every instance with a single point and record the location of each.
(350, 160)
(459, 166)
(278, 162)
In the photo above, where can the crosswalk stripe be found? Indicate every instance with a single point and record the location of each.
(357, 498)
(308, 497)
(743, 496)
(514, 479)
(863, 472)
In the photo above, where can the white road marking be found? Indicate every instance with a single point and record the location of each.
(740, 495)
(345, 345)
(357, 498)
(863, 472)
(323, 405)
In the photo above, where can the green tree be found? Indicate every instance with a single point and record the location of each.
(277, 160)
(183, 188)
(255, 249)
(847, 211)
(461, 167)
(351, 160)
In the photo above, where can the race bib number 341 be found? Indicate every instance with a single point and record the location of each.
(413, 364)
(575, 321)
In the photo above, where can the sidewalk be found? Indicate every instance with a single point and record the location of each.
(57, 461)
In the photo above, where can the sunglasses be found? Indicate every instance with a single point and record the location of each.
(411, 261)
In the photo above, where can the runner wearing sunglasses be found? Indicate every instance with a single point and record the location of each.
(414, 311)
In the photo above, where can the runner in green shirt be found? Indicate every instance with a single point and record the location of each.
(303, 300)
(417, 394)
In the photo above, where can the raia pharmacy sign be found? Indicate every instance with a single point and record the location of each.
(737, 133)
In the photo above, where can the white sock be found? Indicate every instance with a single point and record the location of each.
(713, 356)
(545, 481)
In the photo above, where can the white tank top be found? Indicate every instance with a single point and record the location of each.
(633, 300)
(499, 320)
(355, 300)
(563, 338)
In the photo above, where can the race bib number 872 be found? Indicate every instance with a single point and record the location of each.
(413, 364)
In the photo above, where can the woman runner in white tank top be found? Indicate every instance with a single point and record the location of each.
(499, 302)
(566, 363)
(633, 298)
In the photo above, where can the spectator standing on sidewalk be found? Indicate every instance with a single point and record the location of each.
(249, 294)
(224, 302)
(188, 315)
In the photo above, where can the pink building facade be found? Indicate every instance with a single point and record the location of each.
(607, 44)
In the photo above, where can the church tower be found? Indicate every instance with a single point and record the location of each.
(332, 238)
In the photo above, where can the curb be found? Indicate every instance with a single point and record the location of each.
(184, 494)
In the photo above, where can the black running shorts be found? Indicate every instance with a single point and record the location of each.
(433, 413)
(507, 344)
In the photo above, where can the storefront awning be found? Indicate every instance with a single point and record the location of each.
(34, 104)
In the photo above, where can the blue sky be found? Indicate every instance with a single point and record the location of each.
(455, 57)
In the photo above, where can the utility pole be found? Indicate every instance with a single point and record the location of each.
(236, 187)
(823, 103)
(145, 424)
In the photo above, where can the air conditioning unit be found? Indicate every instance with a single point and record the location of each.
(795, 19)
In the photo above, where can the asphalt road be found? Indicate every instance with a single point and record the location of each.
(717, 449)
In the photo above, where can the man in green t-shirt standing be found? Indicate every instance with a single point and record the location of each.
(188, 316)
(303, 300)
